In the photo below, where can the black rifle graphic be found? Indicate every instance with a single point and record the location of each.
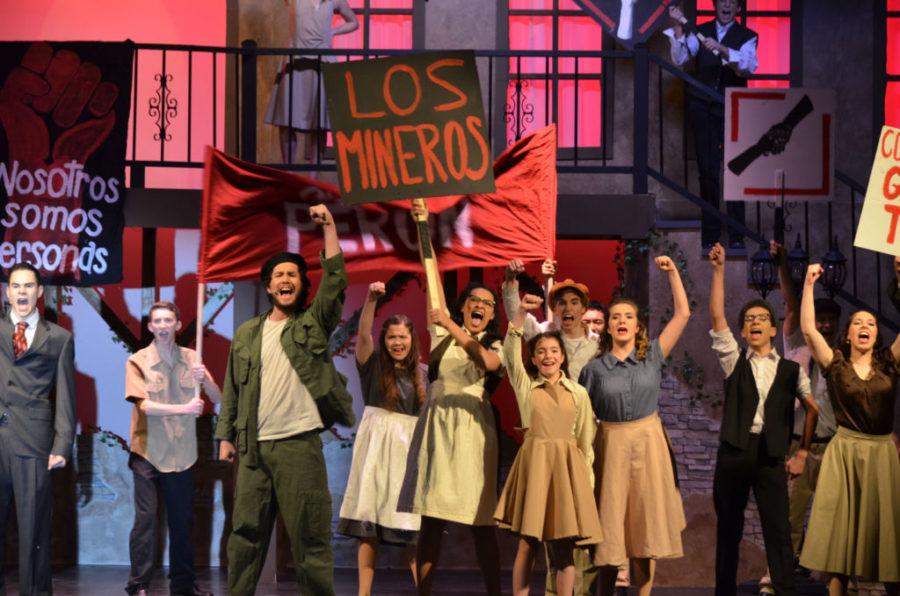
(775, 139)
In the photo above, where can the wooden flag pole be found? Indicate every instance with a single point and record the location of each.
(198, 340)
(548, 308)
(429, 261)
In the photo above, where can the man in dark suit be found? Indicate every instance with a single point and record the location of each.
(36, 433)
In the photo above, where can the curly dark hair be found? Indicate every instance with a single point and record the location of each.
(642, 337)
(492, 329)
(530, 367)
(409, 365)
(265, 274)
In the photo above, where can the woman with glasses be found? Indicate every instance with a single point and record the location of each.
(641, 514)
(854, 528)
(453, 474)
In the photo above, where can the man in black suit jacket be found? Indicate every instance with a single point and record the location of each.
(36, 433)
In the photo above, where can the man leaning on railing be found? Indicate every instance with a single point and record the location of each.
(725, 55)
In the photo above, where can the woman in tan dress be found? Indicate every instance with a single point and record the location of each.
(854, 528)
(549, 494)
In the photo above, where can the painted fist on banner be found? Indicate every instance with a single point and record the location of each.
(55, 111)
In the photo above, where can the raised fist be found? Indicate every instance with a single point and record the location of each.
(376, 291)
(717, 256)
(320, 215)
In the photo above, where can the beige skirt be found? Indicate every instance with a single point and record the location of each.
(854, 528)
(641, 513)
(548, 493)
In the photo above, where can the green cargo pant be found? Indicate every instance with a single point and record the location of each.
(291, 479)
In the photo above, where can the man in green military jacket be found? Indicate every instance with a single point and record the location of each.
(281, 390)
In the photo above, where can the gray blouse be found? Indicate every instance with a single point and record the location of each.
(624, 390)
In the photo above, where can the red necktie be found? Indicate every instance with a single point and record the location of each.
(20, 344)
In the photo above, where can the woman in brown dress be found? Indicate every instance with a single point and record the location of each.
(854, 528)
(549, 495)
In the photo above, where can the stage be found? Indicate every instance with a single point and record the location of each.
(96, 580)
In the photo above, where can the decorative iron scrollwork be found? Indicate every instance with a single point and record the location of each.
(519, 112)
(163, 108)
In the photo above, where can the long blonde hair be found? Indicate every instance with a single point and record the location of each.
(641, 338)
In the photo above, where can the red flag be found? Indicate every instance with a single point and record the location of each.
(251, 212)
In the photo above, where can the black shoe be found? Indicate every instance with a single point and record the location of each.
(192, 591)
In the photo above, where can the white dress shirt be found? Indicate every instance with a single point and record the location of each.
(743, 60)
(764, 369)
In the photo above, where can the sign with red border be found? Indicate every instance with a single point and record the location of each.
(779, 143)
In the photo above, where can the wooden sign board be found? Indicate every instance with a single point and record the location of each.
(408, 126)
(877, 229)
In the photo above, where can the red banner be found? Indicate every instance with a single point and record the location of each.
(251, 212)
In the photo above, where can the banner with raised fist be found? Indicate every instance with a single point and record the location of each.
(64, 116)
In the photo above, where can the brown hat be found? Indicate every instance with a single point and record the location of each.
(571, 285)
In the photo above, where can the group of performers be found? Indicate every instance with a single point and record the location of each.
(426, 452)
(594, 483)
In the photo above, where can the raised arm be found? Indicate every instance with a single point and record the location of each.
(510, 288)
(512, 356)
(322, 217)
(682, 45)
(791, 303)
(327, 305)
(365, 346)
(350, 24)
(510, 291)
(682, 308)
(717, 289)
(818, 346)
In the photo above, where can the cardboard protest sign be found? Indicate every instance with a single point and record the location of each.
(64, 118)
(877, 229)
(629, 21)
(409, 126)
(779, 142)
